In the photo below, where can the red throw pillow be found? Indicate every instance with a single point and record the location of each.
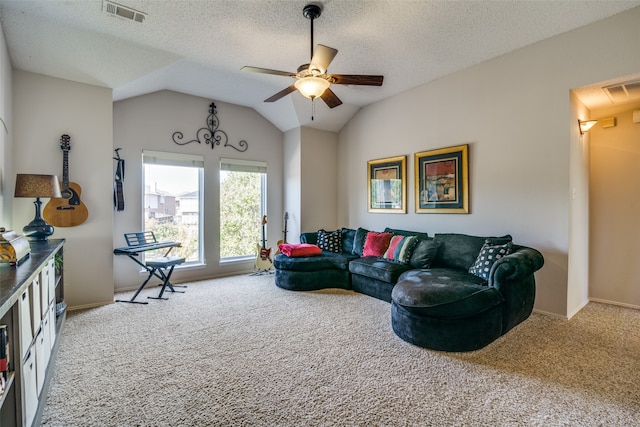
(299, 250)
(376, 243)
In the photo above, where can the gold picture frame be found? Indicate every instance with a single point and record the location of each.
(387, 185)
(442, 180)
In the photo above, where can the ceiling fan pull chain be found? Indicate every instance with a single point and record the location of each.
(313, 108)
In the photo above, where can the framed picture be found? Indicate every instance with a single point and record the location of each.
(442, 180)
(387, 185)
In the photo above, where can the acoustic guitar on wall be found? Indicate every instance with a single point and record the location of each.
(263, 260)
(69, 210)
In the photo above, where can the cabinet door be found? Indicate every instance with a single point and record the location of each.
(24, 314)
(41, 357)
(44, 292)
(51, 280)
(29, 389)
(36, 304)
(46, 334)
(52, 325)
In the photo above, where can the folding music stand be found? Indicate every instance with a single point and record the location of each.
(161, 267)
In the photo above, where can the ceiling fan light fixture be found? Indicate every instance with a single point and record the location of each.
(311, 87)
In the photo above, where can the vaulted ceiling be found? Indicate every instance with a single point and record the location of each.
(199, 47)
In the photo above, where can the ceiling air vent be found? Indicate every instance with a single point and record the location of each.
(623, 92)
(116, 9)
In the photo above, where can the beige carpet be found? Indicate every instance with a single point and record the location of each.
(239, 351)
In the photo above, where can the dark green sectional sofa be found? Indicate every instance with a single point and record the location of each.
(453, 294)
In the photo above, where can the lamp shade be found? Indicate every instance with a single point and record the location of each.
(31, 185)
(585, 125)
(311, 87)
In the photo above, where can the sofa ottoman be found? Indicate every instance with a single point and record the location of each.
(328, 270)
(445, 309)
(375, 277)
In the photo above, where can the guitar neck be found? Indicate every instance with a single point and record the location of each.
(65, 169)
(286, 219)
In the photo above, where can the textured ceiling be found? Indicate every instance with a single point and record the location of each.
(198, 47)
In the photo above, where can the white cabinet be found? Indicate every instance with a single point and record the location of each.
(28, 294)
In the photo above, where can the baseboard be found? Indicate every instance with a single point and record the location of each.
(548, 313)
(191, 279)
(619, 304)
(574, 312)
(577, 310)
(93, 305)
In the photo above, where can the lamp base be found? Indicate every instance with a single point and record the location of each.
(38, 229)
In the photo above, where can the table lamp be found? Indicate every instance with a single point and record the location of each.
(30, 185)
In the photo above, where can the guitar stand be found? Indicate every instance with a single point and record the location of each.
(262, 272)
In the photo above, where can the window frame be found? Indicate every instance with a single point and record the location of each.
(161, 158)
(241, 165)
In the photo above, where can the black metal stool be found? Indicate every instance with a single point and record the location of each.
(159, 266)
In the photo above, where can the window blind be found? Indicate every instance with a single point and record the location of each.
(172, 159)
(235, 165)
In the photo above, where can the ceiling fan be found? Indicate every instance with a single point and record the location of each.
(312, 80)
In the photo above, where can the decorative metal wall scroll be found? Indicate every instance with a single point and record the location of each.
(211, 134)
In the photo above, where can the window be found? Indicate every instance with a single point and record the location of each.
(173, 190)
(243, 188)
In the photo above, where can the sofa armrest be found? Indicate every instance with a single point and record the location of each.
(310, 237)
(521, 263)
(513, 276)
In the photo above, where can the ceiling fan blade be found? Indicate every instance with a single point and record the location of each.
(330, 98)
(356, 79)
(322, 57)
(282, 93)
(268, 71)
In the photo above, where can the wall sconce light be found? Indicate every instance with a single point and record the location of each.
(29, 185)
(585, 125)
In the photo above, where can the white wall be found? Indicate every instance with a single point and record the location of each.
(44, 109)
(515, 113)
(319, 179)
(311, 180)
(7, 176)
(148, 122)
(578, 259)
(615, 203)
(292, 174)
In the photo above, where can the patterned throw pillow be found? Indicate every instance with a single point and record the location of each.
(401, 248)
(330, 240)
(376, 243)
(488, 256)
